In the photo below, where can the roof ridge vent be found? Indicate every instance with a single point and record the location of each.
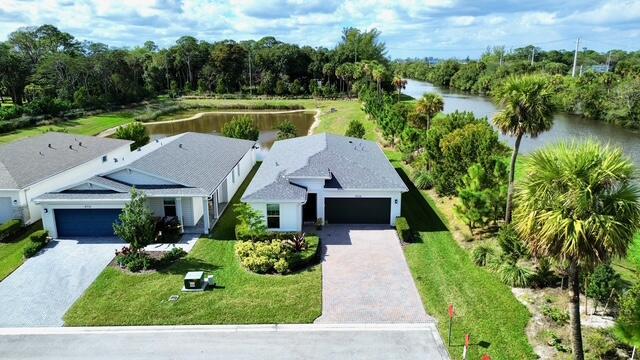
(180, 146)
(50, 146)
(41, 153)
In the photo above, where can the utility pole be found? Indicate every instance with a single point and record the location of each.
(575, 58)
(501, 57)
(533, 54)
(250, 81)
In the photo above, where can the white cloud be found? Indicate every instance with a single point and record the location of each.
(410, 27)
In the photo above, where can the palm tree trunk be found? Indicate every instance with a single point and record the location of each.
(576, 330)
(512, 172)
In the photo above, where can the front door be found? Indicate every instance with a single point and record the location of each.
(310, 209)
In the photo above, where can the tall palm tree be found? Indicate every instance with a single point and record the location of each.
(399, 83)
(429, 105)
(378, 73)
(527, 109)
(578, 204)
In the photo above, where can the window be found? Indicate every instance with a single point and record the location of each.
(273, 216)
(238, 170)
(233, 176)
(170, 207)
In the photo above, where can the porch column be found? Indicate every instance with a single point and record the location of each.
(205, 211)
(179, 213)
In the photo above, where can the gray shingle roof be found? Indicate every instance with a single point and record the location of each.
(28, 161)
(119, 191)
(195, 160)
(353, 163)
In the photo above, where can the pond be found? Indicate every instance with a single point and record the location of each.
(565, 126)
(212, 123)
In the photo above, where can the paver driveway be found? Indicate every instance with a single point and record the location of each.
(40, 291)
(365, 278)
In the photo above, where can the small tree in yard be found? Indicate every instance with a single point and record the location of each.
(355, 129)
(628, 322)
(251, 222)
(136, 225)
(241, 127)
(601, 283)
(286, 130)
(135, 132)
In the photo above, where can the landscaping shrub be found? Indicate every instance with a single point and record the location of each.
(513, 274)
(39, 236)
(168, 230)
(544, 276)
(276, 255)
(307, 257)
(403, 229)
(482, 254)
(602, 282)
(9, 229)
(511, 244)
(135, 132)
(558, 316)
(132, 260)
(172, 255)
(38, 240)
(241, 127)
(424, 180)
(600, 345)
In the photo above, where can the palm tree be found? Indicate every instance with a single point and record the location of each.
(527, 109)
(578, 205)
(428, 106)
(399, 83)
(378, 74)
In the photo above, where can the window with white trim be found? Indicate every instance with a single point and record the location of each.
(233, 176)
(273, 216)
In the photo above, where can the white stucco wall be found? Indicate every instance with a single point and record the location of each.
(15, 207)
(244, 165)
(290, 215)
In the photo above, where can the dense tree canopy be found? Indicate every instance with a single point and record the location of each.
(45, 65)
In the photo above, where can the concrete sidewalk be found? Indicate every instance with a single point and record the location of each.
(312, 341)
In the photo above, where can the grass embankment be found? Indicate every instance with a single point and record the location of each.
(240, 297)
(11, 252)
(485, 308)
(91, 125)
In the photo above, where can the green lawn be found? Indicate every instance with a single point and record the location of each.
(92, 125)
(444, 274)
(240, 297)
(11, 253)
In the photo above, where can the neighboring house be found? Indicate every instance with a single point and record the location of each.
(191, 176)
(34, 166)
(334, 178)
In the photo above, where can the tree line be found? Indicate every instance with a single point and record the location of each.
(45, 71)
(606, 86)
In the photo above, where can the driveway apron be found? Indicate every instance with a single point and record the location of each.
(41, 291)
(365, 278)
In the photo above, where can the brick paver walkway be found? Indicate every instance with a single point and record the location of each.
(365, 278)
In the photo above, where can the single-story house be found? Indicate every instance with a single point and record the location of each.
(191, 176)
(327, 178)
(34, 166)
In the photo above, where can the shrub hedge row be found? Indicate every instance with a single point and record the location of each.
(38, 241)
(403, 229)
(9, 229)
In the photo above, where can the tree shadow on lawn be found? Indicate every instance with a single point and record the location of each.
(186, 264)
(418, 212)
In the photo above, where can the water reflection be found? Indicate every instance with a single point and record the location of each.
(565, 126)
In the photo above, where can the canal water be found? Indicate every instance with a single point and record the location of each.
(565, 126)
(212, 123)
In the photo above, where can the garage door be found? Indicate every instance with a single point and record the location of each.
(6, 210)
(85, 222)
(357, 210)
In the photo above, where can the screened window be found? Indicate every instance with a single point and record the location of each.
(273, 216)
(233, 176)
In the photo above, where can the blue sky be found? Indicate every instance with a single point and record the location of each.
(439, 28)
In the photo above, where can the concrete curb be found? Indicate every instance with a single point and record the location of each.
(218, 328)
